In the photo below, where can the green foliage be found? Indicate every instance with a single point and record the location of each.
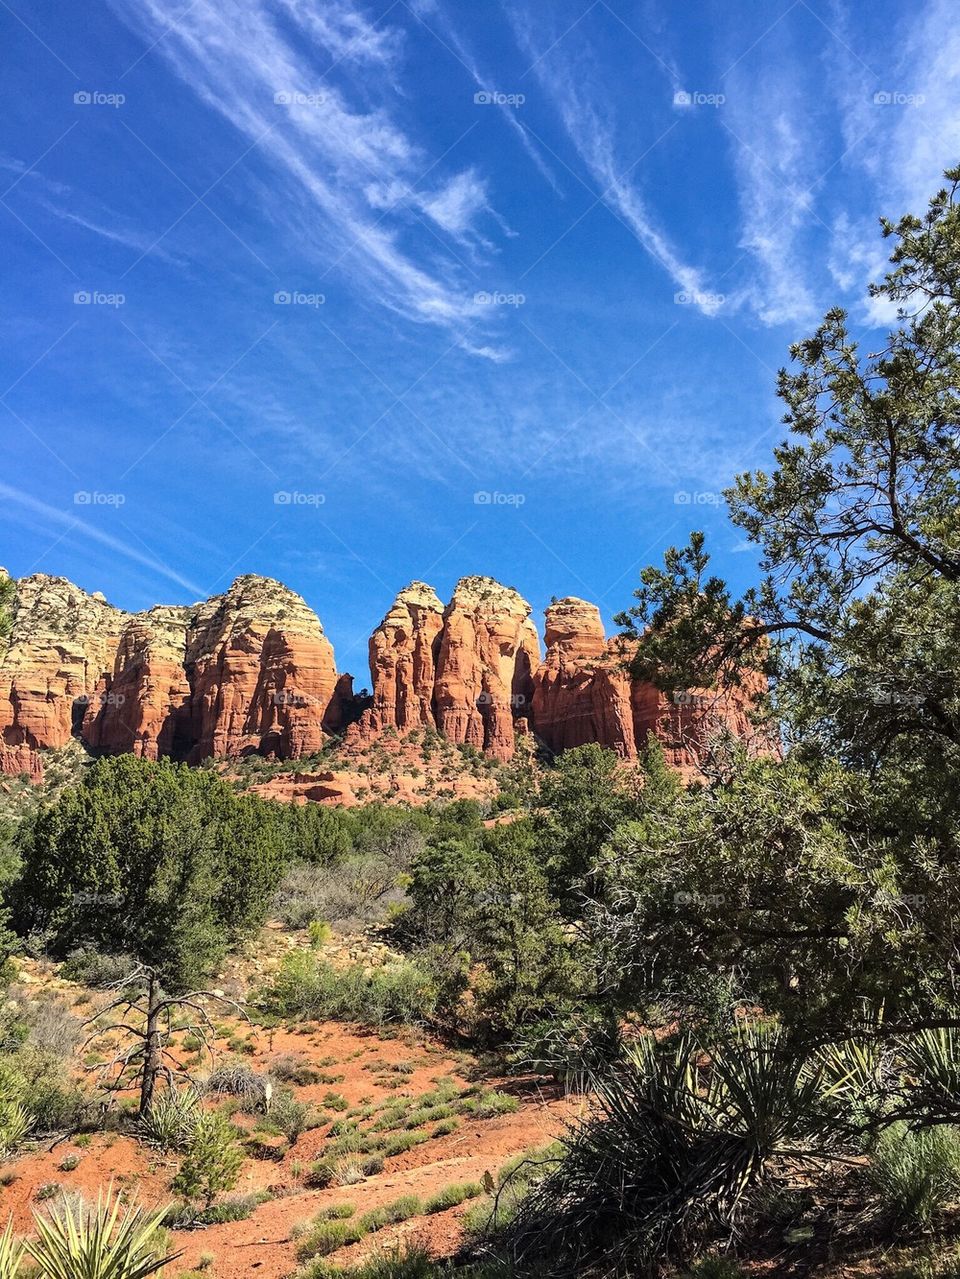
(212, 1160)
(163, 862)
(11, 1253)
(171, 1121)
(916, 1173)
(485, 903)
(307, 986)
(675, 1146)
(110, 1242)
(451, 1196)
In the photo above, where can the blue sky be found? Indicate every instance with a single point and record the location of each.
(547, 251)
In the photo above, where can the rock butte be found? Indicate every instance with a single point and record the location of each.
(251, 670)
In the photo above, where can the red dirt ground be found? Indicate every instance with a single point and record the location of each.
(262, 1245)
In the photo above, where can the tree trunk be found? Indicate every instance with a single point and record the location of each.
(151, 1046)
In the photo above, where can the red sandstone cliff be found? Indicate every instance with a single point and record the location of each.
(251, 670)
(582, 693)
(488, 653)
(247, 670)
(403, 653)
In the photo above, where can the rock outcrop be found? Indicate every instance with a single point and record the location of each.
(138, 705)
(488, 652)
(465, 670)
(62, 643)
(262, 674)
(403, 659)
(581, 692)
(249, 670)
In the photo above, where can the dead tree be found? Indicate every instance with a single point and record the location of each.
(145, 1018)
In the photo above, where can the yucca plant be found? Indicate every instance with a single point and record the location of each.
(11, 1253)
(932, 1057)
(171, 1119)
(679, 1139)
(111, 1241)
(15, 1122)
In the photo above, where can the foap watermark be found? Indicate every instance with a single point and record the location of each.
(294, 98)
(493, 98)
(694, 297)
(896, 98)
(484, 497)
(94, 297)
(684, 697)
(100, 699)
(698, 899)
(517, 701)
(294, 297)
(896, 697)
(86, 497)
(883, 898)
(97, 899)
(688, 497)
(483, 298)
(97, 98)
(293, 497)
(684, 98)
(288, 697)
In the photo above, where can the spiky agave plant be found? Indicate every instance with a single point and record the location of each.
(11, 1253)
(113, 1241)
(171, 1119)
(932, 1057)
(679, 1138)
(15, 1122)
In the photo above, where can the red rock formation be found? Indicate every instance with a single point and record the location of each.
(251, 670)
(262, 674)
(61, 645)
(581, 693)
(137, 706)
(247, 670)
(488, 653)
(688, 723)
(403, 652)
(18, 760)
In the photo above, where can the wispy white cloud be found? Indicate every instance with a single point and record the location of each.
(71, 525)
(438, 21)
(899, 109)
(352, 165)
(69, 205)
(576, 94)
(776, 165)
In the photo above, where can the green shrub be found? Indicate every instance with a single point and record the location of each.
(308, 986)
(319, 932)
(212, 1161)
(327, 1236)
(916, 1173)
(451, 1196)
(489, 1103)
(171, 1121)
(291, 1117)
(404, 1141)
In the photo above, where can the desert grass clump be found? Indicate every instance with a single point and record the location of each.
(453, 1195)
(171, 1121)
(916, 1174)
